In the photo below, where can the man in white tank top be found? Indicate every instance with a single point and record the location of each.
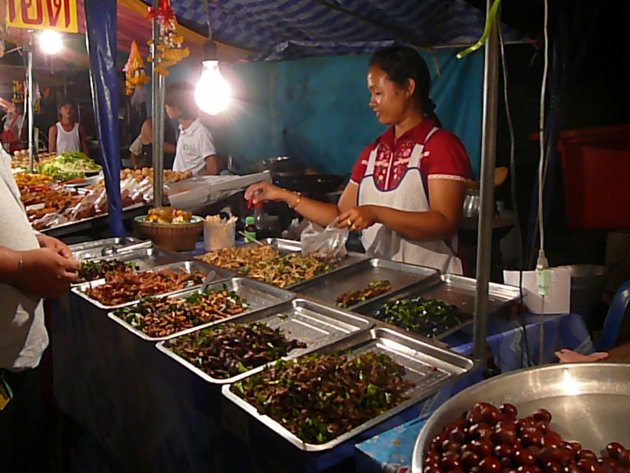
(67, 135)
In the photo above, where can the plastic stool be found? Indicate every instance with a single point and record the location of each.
(614, 317)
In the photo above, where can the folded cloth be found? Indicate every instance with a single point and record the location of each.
(569, 356)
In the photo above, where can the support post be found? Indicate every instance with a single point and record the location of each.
(488, 159)
(30, 105)
(157, 115)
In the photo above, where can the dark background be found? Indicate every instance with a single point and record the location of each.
(587, 87)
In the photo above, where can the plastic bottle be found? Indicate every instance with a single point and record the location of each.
(250, 229)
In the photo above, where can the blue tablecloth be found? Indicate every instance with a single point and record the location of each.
(513, 344)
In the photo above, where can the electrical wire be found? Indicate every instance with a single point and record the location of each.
(510, 124)
(541, 265)
(208, 20)
(525, 355)
(541, 129)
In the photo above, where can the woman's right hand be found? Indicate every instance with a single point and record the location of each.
(46, 273)
(263, 191)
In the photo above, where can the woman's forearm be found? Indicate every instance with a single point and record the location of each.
(321, 213)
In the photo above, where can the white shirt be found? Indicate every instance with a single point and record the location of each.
(23, 336)
(68, 141)
(194, 144)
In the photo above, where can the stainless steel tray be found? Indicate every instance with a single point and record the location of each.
(599, 391)
(314, 324)
(107, 247)
(188, 266)
(328, 287)
(429, 367)
(452, 289)
(293, 246)
(461, 291)
(259, 296)
(142, 258)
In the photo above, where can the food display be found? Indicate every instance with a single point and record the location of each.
(121, 287)
(373, 289)
(168, 175)
(487, 438)
(92, 270)
(24, 179)
(320, 397)
(50, 204)
(287, 270)
(69, 166)
(238, 256)
(21, 160)
(167, 215)
(427, 317)
(231, 349)
(165, 316)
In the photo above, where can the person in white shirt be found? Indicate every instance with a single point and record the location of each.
(195, 149)
(67, 135)
(32, 266)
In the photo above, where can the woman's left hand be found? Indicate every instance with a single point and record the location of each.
(60, 247)
(357, 218)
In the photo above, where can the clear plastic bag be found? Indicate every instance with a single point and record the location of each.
(324, 243)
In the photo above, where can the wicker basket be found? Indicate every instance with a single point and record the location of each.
(170, 236)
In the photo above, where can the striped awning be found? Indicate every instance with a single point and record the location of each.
(287, 29)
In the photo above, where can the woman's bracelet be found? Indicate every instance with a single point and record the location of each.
(299, 198)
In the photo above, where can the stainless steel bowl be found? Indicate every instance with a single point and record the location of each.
(589, 402)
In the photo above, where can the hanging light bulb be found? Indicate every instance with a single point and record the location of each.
(212, 93)
(50, 42)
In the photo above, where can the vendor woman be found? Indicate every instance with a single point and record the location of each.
(407, 187)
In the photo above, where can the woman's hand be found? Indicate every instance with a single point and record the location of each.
(60, 247)
(46, 273)
(263, 191)
(358, 218)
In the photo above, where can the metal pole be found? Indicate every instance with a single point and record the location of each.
(488, 156)
(157, 115)
(29, 102)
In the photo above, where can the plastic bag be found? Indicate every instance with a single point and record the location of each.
(324, 243)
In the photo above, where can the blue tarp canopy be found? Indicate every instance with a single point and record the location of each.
(290, 29)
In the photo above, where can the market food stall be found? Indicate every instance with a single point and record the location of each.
(183, 373)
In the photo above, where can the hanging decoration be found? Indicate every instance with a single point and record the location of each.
(170, 48)
(17, 91)
(135, 76)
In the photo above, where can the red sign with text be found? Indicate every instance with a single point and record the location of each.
(60, 15)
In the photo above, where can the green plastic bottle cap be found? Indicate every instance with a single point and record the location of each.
(250, 220)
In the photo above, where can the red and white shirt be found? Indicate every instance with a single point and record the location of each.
(444, 156)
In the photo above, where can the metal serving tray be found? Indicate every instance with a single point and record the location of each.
(188, 266)
(452, 289)
(143, 258)
(293, 246)
(587, 401)
(357, 277)
(429, 367)
(259, 296)
(314, 324)
(107, 247)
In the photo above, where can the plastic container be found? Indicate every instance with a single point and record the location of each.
(218, 234)
(595, 164)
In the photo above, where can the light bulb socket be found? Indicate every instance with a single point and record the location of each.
(210, 51)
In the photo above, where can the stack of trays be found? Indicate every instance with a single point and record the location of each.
(304, 323)
(106, 247)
